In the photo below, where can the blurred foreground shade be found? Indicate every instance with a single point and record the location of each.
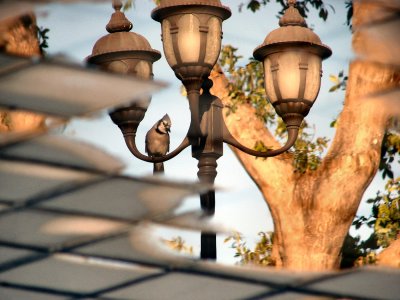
(63, 151)
(122, 198)
(388, 99)
(378, 40)
(15, 294)
(80, 226)
(380, 43)
(197, 221)
(74, 274)
(21, 182)
(188, 286)
(366, 283)
(33, 228)
(387, 4)
(65, 90)
(12, 9)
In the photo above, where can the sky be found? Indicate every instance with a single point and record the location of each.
(74, 29)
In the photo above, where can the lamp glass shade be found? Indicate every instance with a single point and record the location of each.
(214, 38)
(291, 75)
(167, 43)
(144, 70)
(136, 67)
(313, 82)
(118, 67)
(189, 38)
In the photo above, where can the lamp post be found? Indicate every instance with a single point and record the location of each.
(191, 35)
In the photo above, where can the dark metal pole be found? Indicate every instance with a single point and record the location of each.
(208, 240)
(208, 246)
(207, 173)
(207, 152)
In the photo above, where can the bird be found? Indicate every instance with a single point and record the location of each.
(157, 141)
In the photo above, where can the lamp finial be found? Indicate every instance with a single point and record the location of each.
(118, 22)
(292, 17)
(117, 5)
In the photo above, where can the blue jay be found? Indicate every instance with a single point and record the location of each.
(157, 141)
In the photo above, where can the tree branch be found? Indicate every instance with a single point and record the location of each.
(361, 125)
(390, 257)
(248, 129)
(19, 37)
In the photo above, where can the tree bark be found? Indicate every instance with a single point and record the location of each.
(390, 257)
(19, 37)
(312, 212)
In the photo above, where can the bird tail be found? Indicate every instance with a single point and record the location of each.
(158, 168)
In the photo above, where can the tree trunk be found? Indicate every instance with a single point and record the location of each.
(312, 212)
(390, 257)
(18, 37)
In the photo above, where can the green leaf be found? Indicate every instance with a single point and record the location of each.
(334, 88)
(334, 79)
(254, 5)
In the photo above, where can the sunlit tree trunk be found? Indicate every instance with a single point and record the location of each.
(312, 212)
(390, 257)
(18, 37)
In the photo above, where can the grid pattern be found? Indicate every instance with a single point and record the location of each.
(71, 227)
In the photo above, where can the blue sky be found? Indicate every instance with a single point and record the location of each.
(74, 29)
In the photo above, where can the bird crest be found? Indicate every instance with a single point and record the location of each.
(164, 125)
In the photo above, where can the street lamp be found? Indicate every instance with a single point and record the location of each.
(292, 56)
(125, 52)
(191, 35)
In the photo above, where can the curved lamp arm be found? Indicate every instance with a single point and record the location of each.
(292, 136)
(131, 144)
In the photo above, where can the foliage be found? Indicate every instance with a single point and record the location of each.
(390, 150)
(385, 213)
(5, 119)
(384, 219)
(356, 252)
(385, 206)
(261, 255)
(131, 4)
(302, 6)
(308, 150)
(246, 85)
(340, 81)
(370, 258)
(128, 5)
(178, 244)
(349, 17)
(42, 38)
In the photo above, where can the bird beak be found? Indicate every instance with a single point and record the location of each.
(168, 129)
